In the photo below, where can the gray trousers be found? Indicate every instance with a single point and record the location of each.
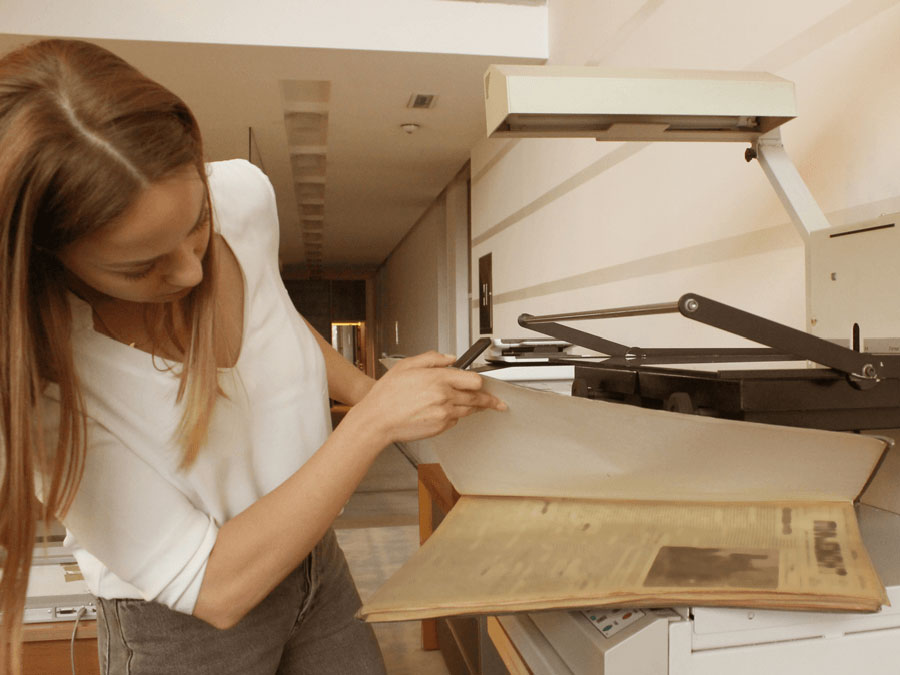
(306, 626)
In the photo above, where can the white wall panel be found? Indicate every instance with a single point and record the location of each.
(570, 229)
(422, 287)
(845, 141)
(434, 26)
(408, 309)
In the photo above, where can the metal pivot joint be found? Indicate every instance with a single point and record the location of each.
(861, 369)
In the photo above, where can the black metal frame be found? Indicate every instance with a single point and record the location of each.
(783, 343)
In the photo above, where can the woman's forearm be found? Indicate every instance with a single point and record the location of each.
(262, 545)
(419, 397)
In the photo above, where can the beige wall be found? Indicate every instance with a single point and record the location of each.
(574, 224)
(422, 286)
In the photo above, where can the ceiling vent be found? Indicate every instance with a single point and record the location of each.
(420, 101)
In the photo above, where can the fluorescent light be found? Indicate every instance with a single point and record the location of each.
(632, 104)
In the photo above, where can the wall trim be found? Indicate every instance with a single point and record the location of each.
(769, 239)
(608, 161)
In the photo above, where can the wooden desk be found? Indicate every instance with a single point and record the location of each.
(45, 648)
(436, 498)
(463, 641)
(513, 661)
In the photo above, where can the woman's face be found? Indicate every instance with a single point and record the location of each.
(154, 251)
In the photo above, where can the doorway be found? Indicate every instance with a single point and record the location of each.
(349, 339)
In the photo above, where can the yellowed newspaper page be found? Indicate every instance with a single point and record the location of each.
(549, 445)
(500, 554)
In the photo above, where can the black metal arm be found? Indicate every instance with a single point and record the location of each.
(783, 343)
(860, 367)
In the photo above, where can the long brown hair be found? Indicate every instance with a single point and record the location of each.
(82, 133)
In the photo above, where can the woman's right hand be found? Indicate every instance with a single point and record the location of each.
(421, 397)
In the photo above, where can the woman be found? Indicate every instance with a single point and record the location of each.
(161, 395)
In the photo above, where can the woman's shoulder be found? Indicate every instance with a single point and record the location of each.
(243, 202)
(235, 173)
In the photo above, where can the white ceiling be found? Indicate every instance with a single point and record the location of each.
(378, 179)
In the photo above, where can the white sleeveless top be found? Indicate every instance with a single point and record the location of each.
(138, 527)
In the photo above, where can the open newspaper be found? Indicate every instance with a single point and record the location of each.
(568, 502)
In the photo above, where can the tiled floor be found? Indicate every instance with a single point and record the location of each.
(386, 496)
(374, 554)
(378, 531)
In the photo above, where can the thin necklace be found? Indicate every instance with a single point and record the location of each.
(107, 330)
